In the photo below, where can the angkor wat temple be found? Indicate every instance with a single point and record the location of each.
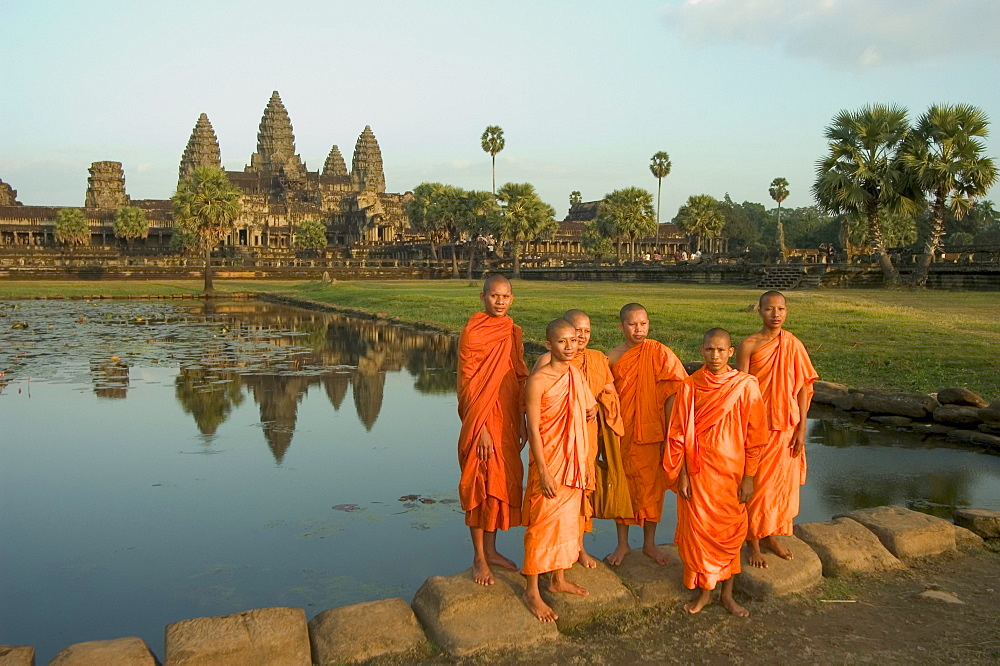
(279, 192)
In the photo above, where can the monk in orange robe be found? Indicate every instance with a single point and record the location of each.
(597, 373)
(647, 375)
(491, 374)
(717, 430)
(556, 402)
(781, 365)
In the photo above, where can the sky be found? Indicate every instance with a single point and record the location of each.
(737, 92)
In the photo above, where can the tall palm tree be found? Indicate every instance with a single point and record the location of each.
(779, 192)
(206, 206)
(702, 216)
(659, 165)
(477, 212)
(944, 156)
(493, 142)
(522, 216)
(628, 213)
(862, 174)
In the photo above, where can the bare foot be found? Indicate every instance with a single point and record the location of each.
(481, 572)
(618, 554)
(703, 599)
(586, 560)
(499, 560)
(756, 559)
(567, 587)
(778, 549)
(539, 608)
(655, 554)
(734, 608)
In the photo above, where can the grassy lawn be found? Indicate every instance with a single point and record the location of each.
(920, 341)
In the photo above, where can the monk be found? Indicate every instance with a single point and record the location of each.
(597, 373)
(781, 365)
(491, 375)
(717, 431)
(556, 402)
(647, 375)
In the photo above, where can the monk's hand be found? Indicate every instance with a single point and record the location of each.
(485, 448)
(592, 413)
(523, 435)
(798, 443)
(684, 485)
(548, 484)
(746, 489)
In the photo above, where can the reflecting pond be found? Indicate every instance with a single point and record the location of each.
(160, 461)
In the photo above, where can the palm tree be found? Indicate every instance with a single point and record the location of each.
(206, 206)
(660, 166)
(594, 242)
(629, 213)
(522, 216)
(701, 216)
(130, 223)
(779, 192)
(476, 214)
(944, 155)
(71, 227)
(862, 174)
(422, 216)
(493, 143)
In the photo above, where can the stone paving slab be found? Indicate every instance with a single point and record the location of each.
(654, 584)
(463, 617)
(369, 630)
(983, 522)
(966, 539)
(130, 651)
(845, 547)
(259, 636)
(781, 577)
(906, 533)
(17, 655)
(607, 594)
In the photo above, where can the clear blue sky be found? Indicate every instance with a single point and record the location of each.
(736, 91)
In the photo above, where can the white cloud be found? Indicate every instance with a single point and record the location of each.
(851, 34)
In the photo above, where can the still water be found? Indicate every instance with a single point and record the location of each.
(161, 461)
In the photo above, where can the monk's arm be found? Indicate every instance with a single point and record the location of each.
(542, 360)
(533, 412)
(668, 408)
(743, 354)
(804, 399)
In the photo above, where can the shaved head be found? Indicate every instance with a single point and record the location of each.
(767, 295)
(629, 309)
(557, 328)
(717, 334)
(492, 280)
(574, 316)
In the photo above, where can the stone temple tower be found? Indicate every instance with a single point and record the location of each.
(106, 186)
(276, 142)
(366, 166)
(335, 165)
(202, 149)
(8, 195)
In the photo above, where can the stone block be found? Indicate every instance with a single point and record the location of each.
(607, 594)
(966, 539)
(462, 616)
(960, 396)
(957, 415)
(907, 533)
(843, 402)
(845, 546)
(17, 655)
(654, 584)
(363, 631)
(826, 392)
(130, 651)
(983, 522)
(258, 636)
(976, 437)
(991, 414)
(913, 405)
(891, 420)
(781, 577)
(931, 428)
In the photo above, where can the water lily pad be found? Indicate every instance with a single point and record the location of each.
(427, 500)
(408, 498)
(346, 507)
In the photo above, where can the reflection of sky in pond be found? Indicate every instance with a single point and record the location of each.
(198, 473)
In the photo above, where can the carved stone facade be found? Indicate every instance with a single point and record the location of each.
(8, 195)
(202, 149)
(106, 186)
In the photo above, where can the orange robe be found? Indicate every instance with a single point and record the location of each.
(717, 428)
(597, 374)
(491, 374)
(645, 377)
(782, 367)
(555, 525)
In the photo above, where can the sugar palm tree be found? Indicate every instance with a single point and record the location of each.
(493, 142)
(701, 216)
(944, 156)
(659, 165)
(522, 216)
(779, 192)
(206, 206)
(862, 174)
(628, 213)
(71, 227)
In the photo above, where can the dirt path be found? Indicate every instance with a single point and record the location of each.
(888, 622)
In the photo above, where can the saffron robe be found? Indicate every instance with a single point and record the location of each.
(491, 374)
(782, 368)
(717, 429)
(645, 376)
(555, 525)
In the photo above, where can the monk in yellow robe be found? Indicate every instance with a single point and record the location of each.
(717, 430)
(556, 402)
(781, 365)
(647, 375)
(604, 432)
(491, 375)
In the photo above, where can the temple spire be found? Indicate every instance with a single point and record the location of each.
(8, 195)
(202, 149)
(275, 140)
(366, 165)
(106, 186)
(335, 165)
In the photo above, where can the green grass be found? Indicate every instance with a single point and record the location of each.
(901, 340)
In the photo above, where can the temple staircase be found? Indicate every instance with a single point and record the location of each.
(785, 278)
